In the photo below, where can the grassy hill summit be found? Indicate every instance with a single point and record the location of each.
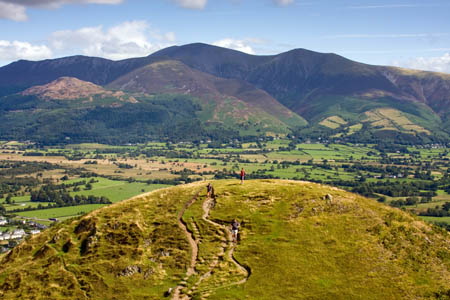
(298, 240)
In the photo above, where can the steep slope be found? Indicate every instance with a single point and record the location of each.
(228, 101)
(310, 83)
(71, 110)
(298, 74)
(313, 85)
(221, 62)
(23, 74)
(65, 88)
(298, 240)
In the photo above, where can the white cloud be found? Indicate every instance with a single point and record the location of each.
(388, 6)
(393, 36)
(12, 12)
(239, 45)
(283, 2)
(384, 6)
(192, 4)
(170, 36)
(23, 50)
(435, 64)
(58, 3)
(16, 9)
(128, 39)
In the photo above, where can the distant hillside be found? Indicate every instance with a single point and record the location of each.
(68, 88)
(300, 75)
(292, 87)
(234, 103)
(23, 74)
(317, 86)
(297, 240)
(69, 110)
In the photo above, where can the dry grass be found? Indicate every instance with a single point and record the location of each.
(392, 119)
(333, 122)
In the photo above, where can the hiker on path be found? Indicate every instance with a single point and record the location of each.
(234, 230)
(209, 189)
(242, 175)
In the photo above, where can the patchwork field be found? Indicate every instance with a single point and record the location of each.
(121, 172)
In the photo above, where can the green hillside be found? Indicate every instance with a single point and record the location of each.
(235, 104)
(298, 240)
(368, 120)
(238, 94)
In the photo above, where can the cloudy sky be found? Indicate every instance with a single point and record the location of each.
(407, 33)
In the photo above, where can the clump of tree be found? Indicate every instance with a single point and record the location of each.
(437, 211)
(61, 197)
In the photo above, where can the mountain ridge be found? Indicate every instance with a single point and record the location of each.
(170, 76)
(310, 85)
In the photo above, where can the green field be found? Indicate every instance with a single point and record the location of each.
(61, 212)
(436, 219)
(278, 158)
(114, 190)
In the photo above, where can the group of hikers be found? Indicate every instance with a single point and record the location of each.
(234, 224)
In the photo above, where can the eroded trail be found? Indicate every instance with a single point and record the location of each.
(224, 253)
(231, 245)
(227, 246)
(194, 251)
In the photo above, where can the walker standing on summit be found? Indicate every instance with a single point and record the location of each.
(242, 175)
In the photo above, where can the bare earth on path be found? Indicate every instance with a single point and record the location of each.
(227, 246)
(194, 249)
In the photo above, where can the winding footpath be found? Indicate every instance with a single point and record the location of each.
(194, 250)
(227, 246)
(230, 245)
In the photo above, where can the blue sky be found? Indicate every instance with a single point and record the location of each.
(407, 33)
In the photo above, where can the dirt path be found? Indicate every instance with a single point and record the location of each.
(226, 245)
(231, 244)
(194, 251)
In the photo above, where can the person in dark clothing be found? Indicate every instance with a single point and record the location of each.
(235, 229)
(209, 189)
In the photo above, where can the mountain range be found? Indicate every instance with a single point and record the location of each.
(228, 94)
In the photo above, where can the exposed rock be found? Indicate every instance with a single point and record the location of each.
(130, 271)
(148, 273)
(328, 198)
(43, 252)
(85, 225)
(66, 247)
(87, 244)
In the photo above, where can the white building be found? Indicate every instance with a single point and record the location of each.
(3, 221)
(5, 237)
(18, 234)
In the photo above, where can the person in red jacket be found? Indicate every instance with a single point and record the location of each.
(242, 175)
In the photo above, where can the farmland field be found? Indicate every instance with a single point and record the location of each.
(414, 178)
